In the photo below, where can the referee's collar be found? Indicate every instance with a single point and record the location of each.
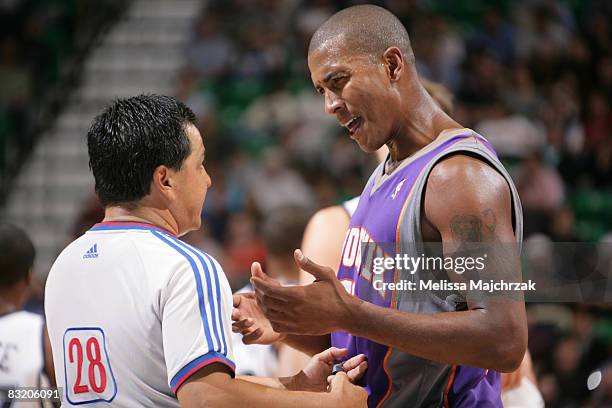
(127, 225)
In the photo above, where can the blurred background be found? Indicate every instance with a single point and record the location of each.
(533, 76)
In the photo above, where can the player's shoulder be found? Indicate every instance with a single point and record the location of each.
(461, 184)
(464, 173)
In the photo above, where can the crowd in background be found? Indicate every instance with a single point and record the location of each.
(534, 77)
(39, 40)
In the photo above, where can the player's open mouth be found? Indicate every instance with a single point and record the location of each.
(353, 124)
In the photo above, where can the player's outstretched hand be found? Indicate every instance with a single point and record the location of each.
(315, 309)
(248, 318)
(346, 394)
(314, 377)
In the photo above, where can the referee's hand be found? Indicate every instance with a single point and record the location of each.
(347, 394)
(249, 320)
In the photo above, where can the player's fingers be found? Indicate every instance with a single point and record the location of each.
(353, 362)
(269, 304)
(318, 271)
(356, 373)
(289, 325)
(263, 288)
(279, 326)
(278, 317)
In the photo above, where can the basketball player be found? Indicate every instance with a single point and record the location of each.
(137, 317)
(322, 243)
(325, 232)
(25, 352)
(441, 183)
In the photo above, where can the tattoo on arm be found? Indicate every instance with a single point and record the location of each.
(466, 228)
(469, 228)
(490, 220)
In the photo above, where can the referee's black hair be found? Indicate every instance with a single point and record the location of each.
(130, 139)
(365, 29)
(16, 254)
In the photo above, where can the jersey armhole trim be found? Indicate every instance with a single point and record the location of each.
(195, 365)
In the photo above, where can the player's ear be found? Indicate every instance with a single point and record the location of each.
(394, 62)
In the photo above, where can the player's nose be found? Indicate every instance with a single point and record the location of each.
(332, 103)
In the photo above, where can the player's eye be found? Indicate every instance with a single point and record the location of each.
(320, 90)
(338, 82)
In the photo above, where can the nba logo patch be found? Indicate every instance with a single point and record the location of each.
(398, 188)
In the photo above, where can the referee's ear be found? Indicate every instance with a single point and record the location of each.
(163, 183)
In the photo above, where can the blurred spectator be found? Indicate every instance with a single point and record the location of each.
(439, 50)
(211, 51)
(41, 47)
(16, 86)
(566, 361)
(512, 135)
(275, 185)
(598, 121)
(521, 96)
(495, 36)
(282, 233)
(562, 227)
(482, 78)
(541, 190)
(242, 246)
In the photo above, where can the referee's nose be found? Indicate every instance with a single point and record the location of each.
(208, 180)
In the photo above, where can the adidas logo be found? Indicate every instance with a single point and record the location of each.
(92, 252)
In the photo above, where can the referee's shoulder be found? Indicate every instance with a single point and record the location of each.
(186, 254)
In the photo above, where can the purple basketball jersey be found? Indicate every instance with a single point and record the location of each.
(387, 221)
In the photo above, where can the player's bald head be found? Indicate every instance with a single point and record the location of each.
(366, 29)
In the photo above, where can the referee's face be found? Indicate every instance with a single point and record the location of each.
(193, 183)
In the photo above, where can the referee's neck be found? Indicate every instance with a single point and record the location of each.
(158, 217)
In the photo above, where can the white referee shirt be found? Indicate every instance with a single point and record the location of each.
(132, 312)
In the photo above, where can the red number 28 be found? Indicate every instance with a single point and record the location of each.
(94, 358)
